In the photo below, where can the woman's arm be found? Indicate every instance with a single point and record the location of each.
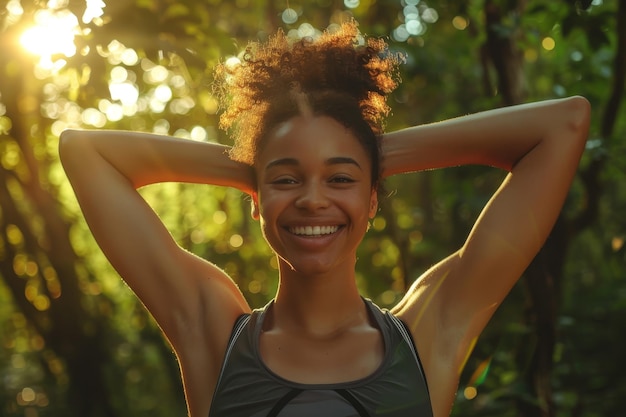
(193, 301)
(499, 137)
(145, 158)
(540, 144)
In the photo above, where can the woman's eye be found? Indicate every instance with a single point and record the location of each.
(284, 181)
(342, 180)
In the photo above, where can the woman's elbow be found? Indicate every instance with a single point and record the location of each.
(73, 146)
(67, 138)
(579, 115)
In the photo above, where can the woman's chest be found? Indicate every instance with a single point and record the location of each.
(349, 357)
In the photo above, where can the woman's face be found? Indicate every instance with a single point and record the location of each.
(315, 195)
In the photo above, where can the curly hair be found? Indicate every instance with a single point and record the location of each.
(340, 74)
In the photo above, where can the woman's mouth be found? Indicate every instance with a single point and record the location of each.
(313, 231)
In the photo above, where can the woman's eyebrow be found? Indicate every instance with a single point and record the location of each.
(281, 162)
(337, 160)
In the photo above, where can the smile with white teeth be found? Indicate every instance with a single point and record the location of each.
(313, 230)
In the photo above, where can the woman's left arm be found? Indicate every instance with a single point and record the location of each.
(540, 144)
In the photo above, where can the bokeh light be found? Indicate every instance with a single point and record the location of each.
(460, 23)
(548, 43)
(470, 393)
(416, 15)
(94, 10)
(290, 16)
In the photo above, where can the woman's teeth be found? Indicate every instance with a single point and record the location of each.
(313, 230)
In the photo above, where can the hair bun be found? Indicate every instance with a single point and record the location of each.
(341, 60)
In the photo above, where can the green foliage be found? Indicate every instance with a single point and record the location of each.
(70, 328)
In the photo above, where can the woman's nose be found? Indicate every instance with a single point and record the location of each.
(312, 197)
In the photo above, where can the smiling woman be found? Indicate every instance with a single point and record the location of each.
(307, 120)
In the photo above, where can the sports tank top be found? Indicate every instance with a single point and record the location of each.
(247, 388)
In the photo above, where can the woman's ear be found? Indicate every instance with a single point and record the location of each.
(373, 203)
(254, 206)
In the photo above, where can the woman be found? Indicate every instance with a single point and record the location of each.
(310, 151)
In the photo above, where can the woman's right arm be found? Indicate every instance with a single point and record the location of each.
(192, 300)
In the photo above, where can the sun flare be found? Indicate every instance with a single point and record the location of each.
(52, 34)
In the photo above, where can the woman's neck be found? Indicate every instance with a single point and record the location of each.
(318, 305)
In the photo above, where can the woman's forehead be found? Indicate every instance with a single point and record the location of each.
(311, 136)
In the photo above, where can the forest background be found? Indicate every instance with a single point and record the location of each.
(74, 341)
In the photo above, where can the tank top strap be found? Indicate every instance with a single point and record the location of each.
(238, 328)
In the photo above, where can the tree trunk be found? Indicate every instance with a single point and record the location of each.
(541, 279)
(75, 334)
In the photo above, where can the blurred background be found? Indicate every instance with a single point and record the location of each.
(74, 341)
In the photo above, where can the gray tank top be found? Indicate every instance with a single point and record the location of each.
(247, 388)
